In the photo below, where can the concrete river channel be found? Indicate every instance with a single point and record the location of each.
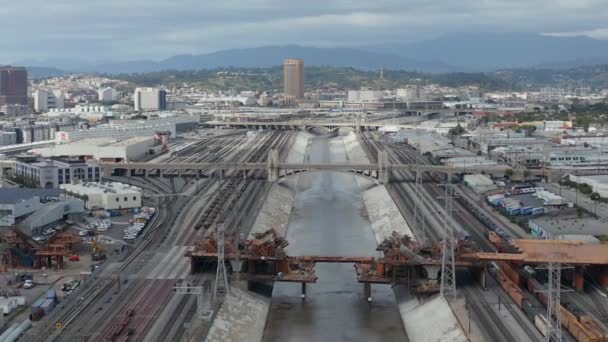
(329, 218)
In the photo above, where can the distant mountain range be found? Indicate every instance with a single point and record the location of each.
(450, 53)
(492, 51)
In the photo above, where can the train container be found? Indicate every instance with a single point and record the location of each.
(531, 311)
(514, 211)
(51, 294)
(48, 305)
(510, 272)
(538, 290)
(578, 331)
(511, 288)
(37, 314)
(8, 331)
(594, 326)
(20, 300)
(540, 322)
(37, 304)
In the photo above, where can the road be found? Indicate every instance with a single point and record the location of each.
(329, 218)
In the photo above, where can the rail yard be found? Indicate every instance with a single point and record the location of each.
(150, 292)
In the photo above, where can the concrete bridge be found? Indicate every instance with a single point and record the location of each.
(381, 171)
(358, 123)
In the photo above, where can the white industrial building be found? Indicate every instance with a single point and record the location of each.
(48, 99)
(103, 149)
(479, 183)
(146, 99)
(365, 95)
(107, 196)
(52, 173)
(411, 93)
(107, 94)
(131, 128)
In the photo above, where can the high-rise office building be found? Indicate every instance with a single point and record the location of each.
(13, 85)
(293, 74)
(47, 99)
(150, 99)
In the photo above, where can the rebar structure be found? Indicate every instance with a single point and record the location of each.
(554, 324)
(448, 267)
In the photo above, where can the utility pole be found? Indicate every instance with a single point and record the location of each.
(448, 268)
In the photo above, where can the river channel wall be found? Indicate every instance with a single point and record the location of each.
(244, 313)
(386, 218)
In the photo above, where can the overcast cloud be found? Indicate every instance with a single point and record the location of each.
(155, 29)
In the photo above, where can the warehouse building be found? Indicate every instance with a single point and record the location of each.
(19, 202)
(33, 210)
(479, 183)
(567, 224)
(106, 195)
(119, 129)
(103, 149)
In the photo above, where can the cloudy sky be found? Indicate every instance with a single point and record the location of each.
(155, 29)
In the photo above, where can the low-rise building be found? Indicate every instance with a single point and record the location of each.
(16, 203)
(106, 195)
(479, 183)
(103, 149)
(51, 173)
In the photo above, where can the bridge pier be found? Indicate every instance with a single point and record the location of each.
(303, 293)
(367, 290)
(384, 168)
(273, 165)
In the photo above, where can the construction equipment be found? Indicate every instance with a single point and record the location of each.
(97, 254)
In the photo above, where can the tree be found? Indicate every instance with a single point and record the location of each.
(585, 188)
(458, 130)
(509, 173)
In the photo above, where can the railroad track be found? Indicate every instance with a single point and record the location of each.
(177, 214)
(405, 192)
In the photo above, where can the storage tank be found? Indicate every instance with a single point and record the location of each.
(8, 331)
(20, 330)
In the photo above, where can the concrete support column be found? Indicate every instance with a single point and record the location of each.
(384, 168)
(272, 165)
(145, 173)
(367, 289)
(303, 294)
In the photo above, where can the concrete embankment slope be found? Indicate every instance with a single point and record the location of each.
(241, 318)
(243, 315)
(428, 321)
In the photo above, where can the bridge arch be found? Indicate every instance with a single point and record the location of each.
(370, 175)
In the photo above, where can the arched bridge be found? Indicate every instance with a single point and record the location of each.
(276, 169)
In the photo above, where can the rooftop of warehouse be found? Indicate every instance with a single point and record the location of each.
(16, 195)
(132, 140)
(567, 221)
(103, 187)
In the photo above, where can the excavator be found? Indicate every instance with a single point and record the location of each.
(97, 254)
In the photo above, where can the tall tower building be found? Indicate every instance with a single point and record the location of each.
(150, 99)
(293, 74)
(13, 85)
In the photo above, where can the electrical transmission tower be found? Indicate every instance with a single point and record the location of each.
(221, 287)
(448, 269)
(418, 189)
(554, 324)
